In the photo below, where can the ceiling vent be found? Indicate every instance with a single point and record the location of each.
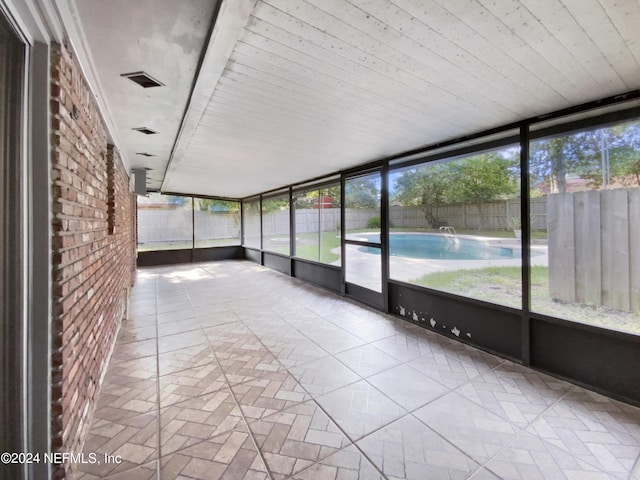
(143, 79)
(145, 130)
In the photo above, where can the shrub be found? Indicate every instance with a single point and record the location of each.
(375, 223)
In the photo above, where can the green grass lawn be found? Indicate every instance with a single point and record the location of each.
(503, 285)
(307, 246)
(462, 280)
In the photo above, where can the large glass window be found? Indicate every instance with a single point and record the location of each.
(362, 208)
(455, 226)
(363, 266)
(363, 262)
(317, 222)
(586, 185)
(251, 222)
(216, 222)
(164, 222)
(276, 224)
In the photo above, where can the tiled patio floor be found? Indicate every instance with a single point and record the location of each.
(230, 370)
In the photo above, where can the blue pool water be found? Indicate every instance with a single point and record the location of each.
(441, 247)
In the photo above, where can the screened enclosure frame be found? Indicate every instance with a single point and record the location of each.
(318, 185)
(508, 139)
(192, 252)
(600, 358)
(517, 134)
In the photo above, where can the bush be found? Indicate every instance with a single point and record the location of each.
(375, 223)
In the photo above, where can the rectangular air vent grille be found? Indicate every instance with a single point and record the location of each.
(145, 130)
(143, 79)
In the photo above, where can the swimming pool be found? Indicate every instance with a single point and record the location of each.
(441, 247)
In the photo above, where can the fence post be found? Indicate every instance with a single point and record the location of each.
(507, 217)
(560, 222)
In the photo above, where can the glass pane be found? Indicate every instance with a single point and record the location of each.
(362, 208)
(585, 190)
(164, 222)
(455, 226)
(364, 267)
(330, 225)
(216, 222)
(275, 224)
(307, 218)
(317, 217)
(251, 223)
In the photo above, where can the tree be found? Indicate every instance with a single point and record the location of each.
(600, 155)
(362, 193)
(227, 207)
(307, 200)
(274, 204)
(333, 192)
(478, 179)
(629, 170)
(216, 205)
(483, 178)
(624, 153)
(428, 186)
(548, 162)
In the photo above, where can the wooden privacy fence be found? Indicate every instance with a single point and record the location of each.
(310, 220)
(496, 215)
(594, 248)
(492, 216)
(174, 225)
(166, 225)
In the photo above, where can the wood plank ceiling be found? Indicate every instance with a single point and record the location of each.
(294, 89)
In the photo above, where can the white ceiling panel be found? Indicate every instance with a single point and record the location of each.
(163, 38)
(295, 89)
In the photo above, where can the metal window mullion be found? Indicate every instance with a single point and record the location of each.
(193, 227)
(242, 240)
(526, 243)
(320, 207)
(343, 245)
(384, 235)
(260, 219)
(292, 231)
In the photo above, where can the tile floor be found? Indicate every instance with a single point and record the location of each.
(230, 370)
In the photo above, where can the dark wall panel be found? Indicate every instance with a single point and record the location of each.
(606, 362)
(163, 257)
(170, 257)
(324, 276)
(217, 253)
(253, 255)
(364, 295)
(277, 262)
(490, 328)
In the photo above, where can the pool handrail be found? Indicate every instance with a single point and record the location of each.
(448, 230)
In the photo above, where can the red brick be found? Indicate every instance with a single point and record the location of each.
(90, 187)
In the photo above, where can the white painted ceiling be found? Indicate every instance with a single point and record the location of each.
(289, 90)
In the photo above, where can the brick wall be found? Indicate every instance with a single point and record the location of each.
(93, 252)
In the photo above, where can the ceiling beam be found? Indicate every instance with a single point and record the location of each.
(227, 25)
